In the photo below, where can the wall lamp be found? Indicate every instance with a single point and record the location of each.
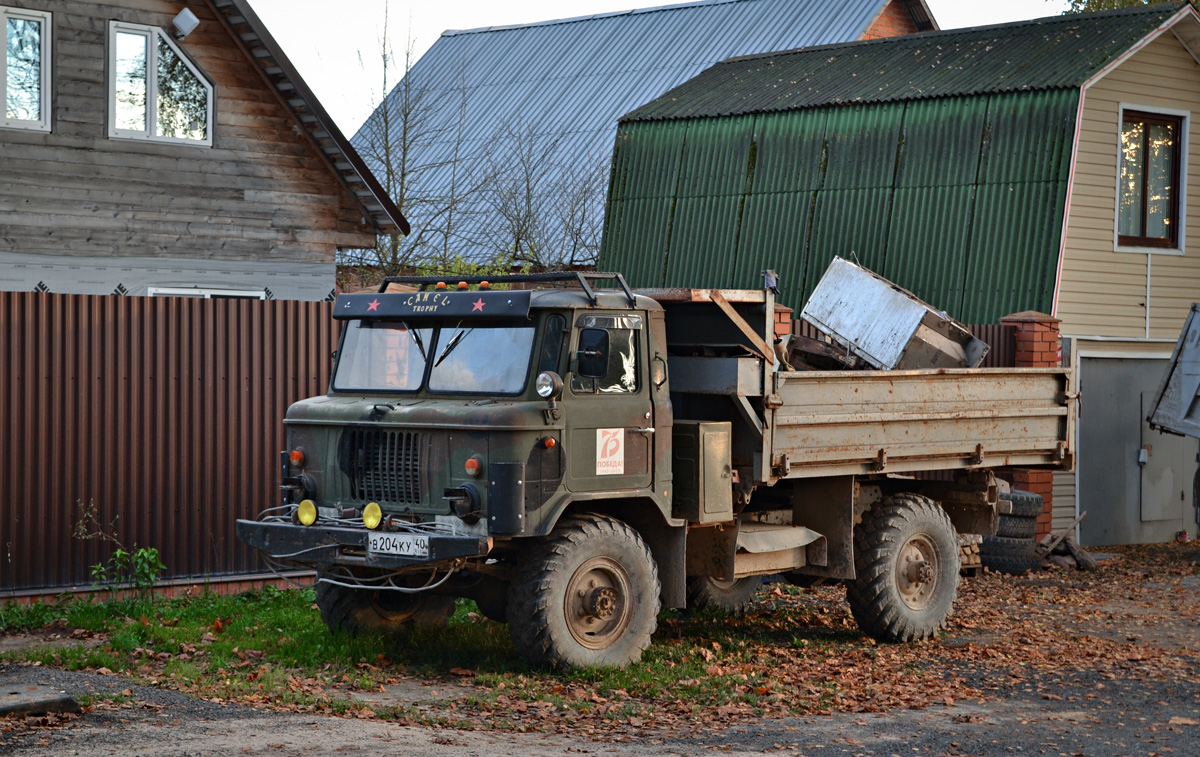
(185, 23)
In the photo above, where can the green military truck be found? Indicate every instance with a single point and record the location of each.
(576, 458)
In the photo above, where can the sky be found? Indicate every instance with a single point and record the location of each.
(338, 53)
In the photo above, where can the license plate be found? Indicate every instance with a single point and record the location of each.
(404, 545)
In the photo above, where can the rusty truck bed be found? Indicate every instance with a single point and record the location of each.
(861, 422)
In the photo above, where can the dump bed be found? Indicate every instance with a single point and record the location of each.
(800, 424)
(859, 422)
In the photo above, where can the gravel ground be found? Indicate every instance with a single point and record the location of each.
(1096, 716)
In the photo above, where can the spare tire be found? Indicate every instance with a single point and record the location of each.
(1009, 555)
(1024, 504)
(1016, 527)
(1006, 546)
(1013, 566)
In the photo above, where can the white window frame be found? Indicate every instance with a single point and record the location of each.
(206, 293)
(1185, 126)
(47, 21)
(152, 33)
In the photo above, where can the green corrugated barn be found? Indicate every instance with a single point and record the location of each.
(1043, 165)
(939, 160)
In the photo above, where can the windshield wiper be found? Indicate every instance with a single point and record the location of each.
(416, 338)
(451, 345)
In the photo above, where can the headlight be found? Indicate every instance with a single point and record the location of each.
(548, 385)
(372, 515)
(306, 512)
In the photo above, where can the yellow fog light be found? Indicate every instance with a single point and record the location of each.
(372, 515)
(306, 512)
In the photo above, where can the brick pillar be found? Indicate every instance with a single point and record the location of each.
(1038, 345)
(783, 320)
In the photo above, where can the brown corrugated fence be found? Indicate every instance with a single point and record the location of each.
(163, 413)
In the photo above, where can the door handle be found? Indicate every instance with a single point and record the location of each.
(641, 431)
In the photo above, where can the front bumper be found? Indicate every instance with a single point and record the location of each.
(322, 547)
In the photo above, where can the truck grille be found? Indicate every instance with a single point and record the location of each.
(383, 466)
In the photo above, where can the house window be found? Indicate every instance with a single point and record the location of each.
(1148, 202)
(207, 294)
(154, 91)
(25, 69)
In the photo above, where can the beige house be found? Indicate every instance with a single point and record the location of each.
(1129, 270)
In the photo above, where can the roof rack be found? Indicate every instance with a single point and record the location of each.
(580, 277)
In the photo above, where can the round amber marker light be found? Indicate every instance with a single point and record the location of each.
(440, 285)
(463, 285)
(472, 466)
(485, 285)
(372, 515)
(297, 458)
(306, 512)
(550, 442)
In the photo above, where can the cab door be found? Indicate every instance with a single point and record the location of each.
(610, 423)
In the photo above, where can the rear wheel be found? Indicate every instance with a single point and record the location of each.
(906, 561)
(734, 596)
(585, 596)
(367, 611)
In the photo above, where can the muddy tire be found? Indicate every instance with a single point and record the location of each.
(734, 597)
(366, 612)
(585, 596)
(906, 561)
(1015, 527)
(1024, 504)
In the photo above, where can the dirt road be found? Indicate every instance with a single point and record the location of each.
(1057, 663)
(1100, 717)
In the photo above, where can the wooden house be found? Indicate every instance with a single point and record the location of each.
(1038, 166)
(154, 147)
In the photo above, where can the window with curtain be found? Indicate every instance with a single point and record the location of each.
(1148, 206)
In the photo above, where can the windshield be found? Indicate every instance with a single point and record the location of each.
(394, 357)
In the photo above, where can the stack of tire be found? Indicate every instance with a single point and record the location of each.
(1011, 550)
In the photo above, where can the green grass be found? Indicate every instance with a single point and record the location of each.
(271, 647)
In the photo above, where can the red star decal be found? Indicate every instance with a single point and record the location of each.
(477, 305)
(373, 305)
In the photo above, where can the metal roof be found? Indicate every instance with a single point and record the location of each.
(1047, 53)
(957, 199)
(250, 32)
(567, 81)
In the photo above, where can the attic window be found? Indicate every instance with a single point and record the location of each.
(25, 69)
(1149, 180)
(154, 91)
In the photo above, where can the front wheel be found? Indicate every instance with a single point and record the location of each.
(906, 561)
(367, 611)
(585, 596)
(734, 597)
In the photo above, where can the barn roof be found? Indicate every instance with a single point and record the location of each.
(1047, 53)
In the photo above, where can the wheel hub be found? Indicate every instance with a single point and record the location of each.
(599, 604)
(916, 572)
(920, 571)
(602, 602)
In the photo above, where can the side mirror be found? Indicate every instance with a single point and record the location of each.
(592, 356)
